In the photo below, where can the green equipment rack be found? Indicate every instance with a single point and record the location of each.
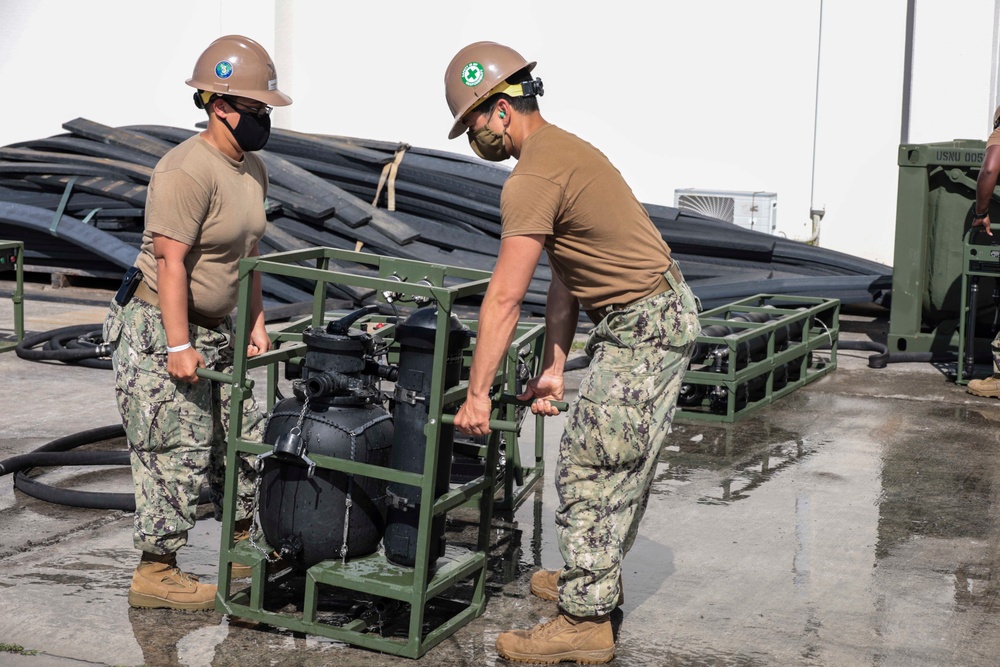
(798, 327)
(517, 478)
(935, 195)
(980, 260)
(440, 600)
(12, 252)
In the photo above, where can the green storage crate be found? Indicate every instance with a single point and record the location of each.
(935, 197)
(732, 375)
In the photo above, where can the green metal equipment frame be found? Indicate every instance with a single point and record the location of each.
(518, 478)
(820, 329)
(979, 260)
(18, 296)
(456, 589)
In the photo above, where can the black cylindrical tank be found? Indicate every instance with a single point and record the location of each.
(305, 517)
(337, 412)
(416, 337)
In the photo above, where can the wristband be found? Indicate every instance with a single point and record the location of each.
(179, 348)
(980, 216)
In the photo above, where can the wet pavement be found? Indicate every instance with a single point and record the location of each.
(854, 522)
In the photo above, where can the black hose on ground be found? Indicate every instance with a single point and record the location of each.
(884, 357)
(879, 360)
(93, 340)
(84, 351)
(59, 452)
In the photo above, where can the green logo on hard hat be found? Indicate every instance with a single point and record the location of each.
(472, 74)
(223, 69)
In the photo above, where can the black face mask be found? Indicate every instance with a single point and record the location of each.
(252, 132)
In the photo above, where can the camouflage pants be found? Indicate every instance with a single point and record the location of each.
(613, 436)
(176, 430)
(995, 349)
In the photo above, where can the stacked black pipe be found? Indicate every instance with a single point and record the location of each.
(76, 199)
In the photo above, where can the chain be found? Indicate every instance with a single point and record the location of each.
(348, 502)
(255, 526)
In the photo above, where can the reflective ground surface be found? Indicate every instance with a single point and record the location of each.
(852, 522)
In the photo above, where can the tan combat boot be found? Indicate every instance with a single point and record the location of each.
(241, 532)
(988, 387)
(545, 585)
(164, 586)
(565, 638)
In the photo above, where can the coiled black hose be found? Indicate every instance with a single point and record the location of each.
(59, 453)
(79, 344)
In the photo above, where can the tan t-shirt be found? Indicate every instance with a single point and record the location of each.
(994, 138)
(215, 204)
(600, 240)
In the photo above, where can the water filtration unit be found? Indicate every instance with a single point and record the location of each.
(336, 411)
(355, 475)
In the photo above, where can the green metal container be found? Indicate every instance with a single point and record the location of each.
(935, 197)
(12, 258)
(741, 364)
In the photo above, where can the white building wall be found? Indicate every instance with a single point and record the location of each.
(713, 95)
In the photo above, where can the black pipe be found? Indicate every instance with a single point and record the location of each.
(970, 328)
(58, 452)
(329, 383)
(885, 357)
(46, 459)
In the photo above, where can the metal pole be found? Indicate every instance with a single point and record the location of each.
(995, 64)
(819, 50)
(904, 125)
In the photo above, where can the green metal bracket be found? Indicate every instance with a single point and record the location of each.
(726, 395)
(438, 601)
(12, 252)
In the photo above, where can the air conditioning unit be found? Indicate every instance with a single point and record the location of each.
(751, 210)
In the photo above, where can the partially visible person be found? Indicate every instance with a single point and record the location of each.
(204, 213)
(564, 197)
(985, 183)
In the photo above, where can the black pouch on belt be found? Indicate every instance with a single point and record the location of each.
(130, 282)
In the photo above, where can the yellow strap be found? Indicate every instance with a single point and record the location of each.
(388, 176)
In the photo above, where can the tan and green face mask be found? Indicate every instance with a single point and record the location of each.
(488, 144)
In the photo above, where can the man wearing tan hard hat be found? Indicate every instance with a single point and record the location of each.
(204, 213)
(565, 198)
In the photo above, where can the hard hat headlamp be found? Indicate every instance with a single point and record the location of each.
(533, 88)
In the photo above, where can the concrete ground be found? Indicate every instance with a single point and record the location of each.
(854, 522)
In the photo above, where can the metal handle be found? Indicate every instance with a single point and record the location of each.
(508, 399)
(495, 424)
(218, 376)
(511, 399)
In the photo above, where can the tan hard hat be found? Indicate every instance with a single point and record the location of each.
(238, 66)
(474, 74)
